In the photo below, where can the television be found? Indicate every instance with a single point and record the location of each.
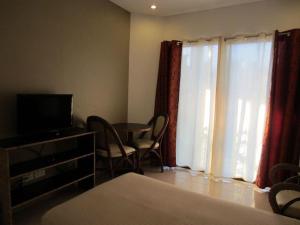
(38, 113)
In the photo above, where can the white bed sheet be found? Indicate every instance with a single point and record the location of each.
(138, 200)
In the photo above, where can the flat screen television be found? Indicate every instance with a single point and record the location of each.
(38, 113)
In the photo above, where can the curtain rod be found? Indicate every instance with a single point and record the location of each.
(247, 36)
(288, 33)
(228, 37)
(201, 39)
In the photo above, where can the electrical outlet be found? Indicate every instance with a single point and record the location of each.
(34, 175)
(28, 177)
(39, 173)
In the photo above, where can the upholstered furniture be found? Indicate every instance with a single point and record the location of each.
(109, 146)
(133, 199)
(150, 142)
(284, 195)
(131, 129)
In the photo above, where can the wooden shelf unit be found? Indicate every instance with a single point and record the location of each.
(60, 167)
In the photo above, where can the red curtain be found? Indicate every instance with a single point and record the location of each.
(167, 95)
(282, 136)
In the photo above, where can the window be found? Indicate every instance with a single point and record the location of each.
(222, 115)
(196, 104)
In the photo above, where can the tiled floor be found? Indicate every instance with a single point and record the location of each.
(227, 189)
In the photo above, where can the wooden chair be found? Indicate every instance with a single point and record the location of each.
(109, 145)
(152, 144)
(284, 196)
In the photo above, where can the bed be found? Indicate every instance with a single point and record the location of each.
(138, 200)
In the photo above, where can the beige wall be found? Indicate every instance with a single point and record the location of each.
(145, 37)
(249, 18)
(68, 46)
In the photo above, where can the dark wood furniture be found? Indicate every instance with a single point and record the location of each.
(152, 144)
(110, 146)
(34, 167)
(284, 196)
(130, 129)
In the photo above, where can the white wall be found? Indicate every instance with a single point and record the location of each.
(68, 46)
(147, 32)
(248, 18)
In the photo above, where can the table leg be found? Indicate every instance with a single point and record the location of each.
(130, 143)
(130, 138)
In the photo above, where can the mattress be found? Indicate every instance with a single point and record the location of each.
(138, 200)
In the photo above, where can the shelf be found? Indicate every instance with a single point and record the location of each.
(20, 142)
(20, 169)
(27, 194)
(71, 161)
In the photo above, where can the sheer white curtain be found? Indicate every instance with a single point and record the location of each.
(243, 91)
(222, 134)
(196, 104)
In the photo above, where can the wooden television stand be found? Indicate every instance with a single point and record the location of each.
(32, 168)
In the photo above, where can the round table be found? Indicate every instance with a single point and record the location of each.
(131, 128)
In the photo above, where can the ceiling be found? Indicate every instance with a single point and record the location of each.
(174, 7)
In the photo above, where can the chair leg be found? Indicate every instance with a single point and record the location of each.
(137, 155)
(135, 160)
(111, 170)
(161, 161)
(138, 165)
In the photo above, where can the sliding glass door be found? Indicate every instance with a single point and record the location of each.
(197, 104)
(222, 115)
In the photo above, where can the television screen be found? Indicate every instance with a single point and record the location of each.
(43, 112)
